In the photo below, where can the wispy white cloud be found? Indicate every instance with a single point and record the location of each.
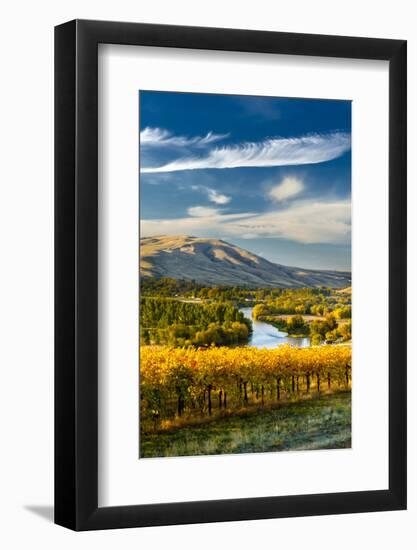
(307, 222)
(202, 211)
(212, 194)
(303, 221)
(288, 188)
(161, 137)
(204, 226)
(217, 197)
(310, 149)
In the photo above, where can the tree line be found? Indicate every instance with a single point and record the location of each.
(178, 323)
(317, 301)
(320, 330)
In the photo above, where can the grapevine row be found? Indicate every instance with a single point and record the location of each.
(177, 381)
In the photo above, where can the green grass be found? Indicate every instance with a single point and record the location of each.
(321, 423)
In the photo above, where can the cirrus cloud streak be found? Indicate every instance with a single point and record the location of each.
(161, 137)
(310, 149)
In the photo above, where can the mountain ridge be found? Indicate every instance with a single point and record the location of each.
(214, 262)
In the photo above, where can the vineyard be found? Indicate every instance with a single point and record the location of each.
(189, 382)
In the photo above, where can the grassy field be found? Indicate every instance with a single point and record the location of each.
(320, 423)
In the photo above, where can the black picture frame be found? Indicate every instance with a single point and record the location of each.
(76, 272)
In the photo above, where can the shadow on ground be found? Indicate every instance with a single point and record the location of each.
(45, 512)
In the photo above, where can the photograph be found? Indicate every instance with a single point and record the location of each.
(245, 274)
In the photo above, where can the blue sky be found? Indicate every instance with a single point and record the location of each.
(272, 175)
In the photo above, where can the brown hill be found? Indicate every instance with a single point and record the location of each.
(215, 262)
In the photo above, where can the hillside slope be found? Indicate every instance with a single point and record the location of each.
(216, 262)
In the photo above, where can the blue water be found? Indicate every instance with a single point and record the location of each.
(265, 335)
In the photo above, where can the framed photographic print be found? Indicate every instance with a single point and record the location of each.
(230, 275)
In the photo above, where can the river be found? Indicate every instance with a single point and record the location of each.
(267, 336)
